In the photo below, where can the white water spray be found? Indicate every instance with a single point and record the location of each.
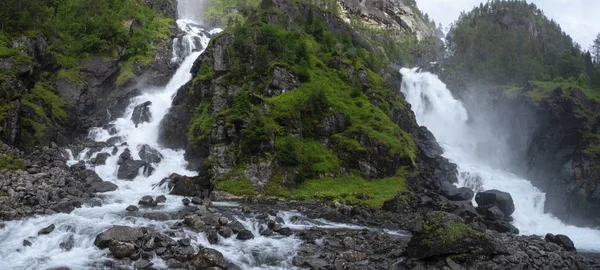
(446, 118)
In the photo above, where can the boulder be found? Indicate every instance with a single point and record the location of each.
(212, 236)
(141, 113)
(132, 208)
(225, 231)
(147, 200)
(47, 230)
(63, 207)
(561, 240)
(149, 154)
(207, 258)
(126, 155)
(495, 197)
(186, 186)
(455, 194)
(130, 169)
(101, 158)
(121, 250)
(245, 235)
(104, 186)
(118, 234)
(490, 212)
(161, 199)
(446, 234)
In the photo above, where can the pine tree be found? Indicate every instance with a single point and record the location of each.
(596, 49)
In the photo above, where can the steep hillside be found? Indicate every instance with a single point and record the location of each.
(61, 62)
(288, 103)
(510, 42)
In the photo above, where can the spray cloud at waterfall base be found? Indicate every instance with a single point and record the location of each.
(446, 117)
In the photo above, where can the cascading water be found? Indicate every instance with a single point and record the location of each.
(436, 108)
(80, 227)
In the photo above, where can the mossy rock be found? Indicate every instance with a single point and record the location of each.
(445, 234)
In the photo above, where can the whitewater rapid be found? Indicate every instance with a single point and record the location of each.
(436, 108)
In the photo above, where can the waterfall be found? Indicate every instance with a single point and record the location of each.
(436, 108)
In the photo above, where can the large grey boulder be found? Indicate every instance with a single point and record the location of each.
(118, 234)
(149, 154)
(207, 258)
(496, 197)
(130, 169)
(141, 113)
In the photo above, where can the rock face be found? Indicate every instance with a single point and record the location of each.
(282, 80)
(130, 169)
(141, 113)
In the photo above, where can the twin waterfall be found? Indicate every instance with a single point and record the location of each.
(434, 107)
(447, 119)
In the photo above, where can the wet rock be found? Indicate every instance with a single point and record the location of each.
(310, 263)
(141, 113)
(266, 232)
(197, 201)
(285, 231)
(212, 236)
(207, 258)
(147, 201)
(47, 230)
(491, 212)
(353, 256)
(143, 264)
(186, 186)
(101, 158)
(223, 221)
(244, 235)
(126, 155)
(349, 242)
(130, 169)
(225, 231)
(121, 250)
(185, 201)
(132, 208)
(114, 140)
(561, 240)
(104, 186)
(119, 234)
(236, 226)
(246, 209)
(162, 216)
(161, 199)
(26, 243)
(148, 170)
(68, 244)
(495, 197)
(63, 207)
(149, 154)
(185, 242)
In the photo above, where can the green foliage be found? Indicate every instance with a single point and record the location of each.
(57, 104)
(345, 189)
(235, 183)
(11, 162)
(450, 231)
(509, 42)
(201, 124)
(226, 12)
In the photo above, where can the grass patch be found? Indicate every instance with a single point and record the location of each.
(451, 232)
(11, 162)
(236, 183)
(346, 189)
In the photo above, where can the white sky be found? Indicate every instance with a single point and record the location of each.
(578, 18)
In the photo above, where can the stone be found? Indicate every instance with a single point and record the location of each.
(266, 232)
(502, 199)
(132, 208)
(282, 80)
(491, 212)
(143, 264)
(184, 242)
(26, 243)
(130, 169)
(63, 207)
(207, 258)
(197, 200)
(223, 221)
(212, 236)
(285, 231)
(185, 201)
(561, 240)
(104, 186)
(101, 158)
(47, 230)
(349, 242)
(225, 231)
(244, 235)
(149, 154)
(68, 243)
(141, 113)
(147, 201)
(121, 250)
(236, 226)
(119, 234)
(161, 199)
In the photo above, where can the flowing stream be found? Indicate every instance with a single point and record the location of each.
(436, 108)
(80, 227)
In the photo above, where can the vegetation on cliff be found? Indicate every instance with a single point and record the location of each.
(307, 107)
(513, 42)
(45, 41)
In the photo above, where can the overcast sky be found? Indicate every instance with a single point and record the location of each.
(579, 18)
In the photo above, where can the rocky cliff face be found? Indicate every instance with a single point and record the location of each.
(259, 117)
(44, 102)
